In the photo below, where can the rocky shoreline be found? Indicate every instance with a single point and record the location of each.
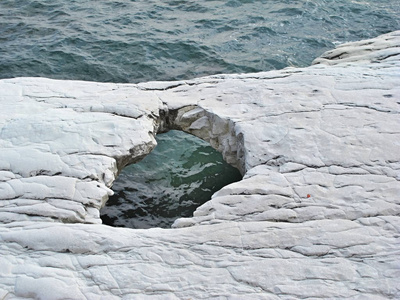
(315, 216)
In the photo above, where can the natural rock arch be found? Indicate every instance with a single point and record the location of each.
(320, 220)
(218, 132)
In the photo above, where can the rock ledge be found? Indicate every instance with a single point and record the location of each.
(315, 216)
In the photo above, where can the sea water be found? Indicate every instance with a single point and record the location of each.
(137, 41)
(179, 175)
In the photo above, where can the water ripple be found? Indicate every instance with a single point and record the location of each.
(179, 175)
(135, 41)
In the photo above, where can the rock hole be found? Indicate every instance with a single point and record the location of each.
(178, 176)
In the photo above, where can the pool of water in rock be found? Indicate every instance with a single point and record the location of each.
(140, 41)
(171, 182)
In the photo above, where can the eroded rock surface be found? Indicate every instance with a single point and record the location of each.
(315, 216)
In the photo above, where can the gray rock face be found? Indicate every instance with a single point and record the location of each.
(315, 216)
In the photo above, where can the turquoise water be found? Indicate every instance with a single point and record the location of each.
(179, 175)
(137, 41)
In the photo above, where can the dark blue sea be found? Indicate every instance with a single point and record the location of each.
(137, 41)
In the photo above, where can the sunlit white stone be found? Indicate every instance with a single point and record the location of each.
(315, 216)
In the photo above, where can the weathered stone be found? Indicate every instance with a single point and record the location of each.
(315, 216)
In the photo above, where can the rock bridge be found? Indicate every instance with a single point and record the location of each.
(316, 214)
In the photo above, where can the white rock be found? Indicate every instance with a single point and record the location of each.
(315, 216)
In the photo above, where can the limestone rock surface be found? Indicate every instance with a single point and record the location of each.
(317, 214)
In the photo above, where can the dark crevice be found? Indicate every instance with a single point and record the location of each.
(161, 88)
(338, 56)
(386, 57)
